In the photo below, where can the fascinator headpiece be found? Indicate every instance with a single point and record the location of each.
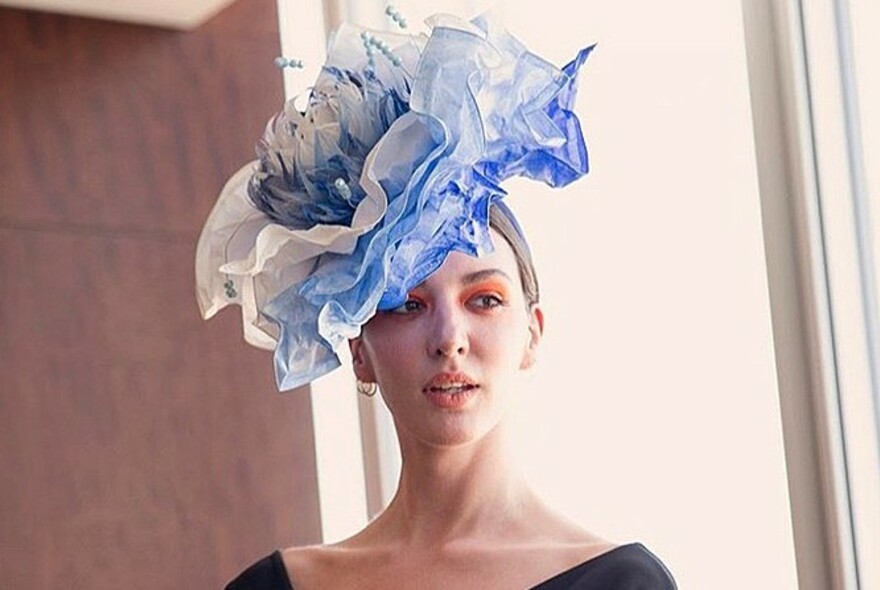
(394, 163)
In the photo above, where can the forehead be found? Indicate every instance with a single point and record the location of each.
(459, 265)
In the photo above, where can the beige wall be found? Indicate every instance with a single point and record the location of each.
(139, 446)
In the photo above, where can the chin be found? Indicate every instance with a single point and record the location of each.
(453, 431)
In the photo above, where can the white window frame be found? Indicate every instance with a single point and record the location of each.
(356, 455)
(822, 296)
(303, 27)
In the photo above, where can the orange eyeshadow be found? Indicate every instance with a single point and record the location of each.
(490, 286)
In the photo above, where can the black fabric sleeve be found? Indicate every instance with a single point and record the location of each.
(634, 568)
(266, 574)
(628, 567)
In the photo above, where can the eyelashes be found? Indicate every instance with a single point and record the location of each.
(482, 298)
(412, 305)
(488, 301)
(487, 296)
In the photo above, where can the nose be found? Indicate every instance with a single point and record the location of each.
(448, 337)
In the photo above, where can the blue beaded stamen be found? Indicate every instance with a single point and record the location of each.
(395, 16)
(343, 189)
(372, 43)
(230, 289)
(284, 62)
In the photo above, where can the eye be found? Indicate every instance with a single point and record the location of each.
(487, 301)
(410, 306)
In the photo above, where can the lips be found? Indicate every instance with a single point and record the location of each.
(450, 383)
(450, 390)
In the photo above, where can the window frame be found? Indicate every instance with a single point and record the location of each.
(808, 155)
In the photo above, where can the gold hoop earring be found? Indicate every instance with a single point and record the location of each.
(367, 389)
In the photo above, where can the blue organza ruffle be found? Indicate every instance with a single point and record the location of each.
(434, 138)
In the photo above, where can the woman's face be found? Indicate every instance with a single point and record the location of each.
(448, 360)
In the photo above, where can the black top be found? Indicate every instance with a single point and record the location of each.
(627, 567)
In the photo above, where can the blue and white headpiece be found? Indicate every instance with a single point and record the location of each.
(393, 165)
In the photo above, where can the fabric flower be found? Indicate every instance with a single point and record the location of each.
(310, 162)
(361, 198)
(274, 218)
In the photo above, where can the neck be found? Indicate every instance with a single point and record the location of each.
(461, 493)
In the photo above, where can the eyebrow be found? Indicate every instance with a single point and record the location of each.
(476, 277)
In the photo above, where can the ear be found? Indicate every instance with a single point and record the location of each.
(536, 333)
(363, 369)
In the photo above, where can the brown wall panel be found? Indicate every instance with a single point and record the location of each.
(126, 126)
(141, 446)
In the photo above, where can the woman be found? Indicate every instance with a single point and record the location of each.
(380, 223)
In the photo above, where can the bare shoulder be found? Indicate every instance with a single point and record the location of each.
(570, 540)
(340, 565)
(301, 557)
(584, 551)
(307, 563)
(565, 554)
(565, 544)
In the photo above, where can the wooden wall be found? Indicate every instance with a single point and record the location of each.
(140, 447)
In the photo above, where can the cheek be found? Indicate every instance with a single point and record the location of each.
(504, 345)
(388, 354)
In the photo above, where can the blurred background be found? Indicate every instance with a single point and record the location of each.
(710, 378)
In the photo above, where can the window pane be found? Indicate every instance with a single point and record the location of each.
(864, 24)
